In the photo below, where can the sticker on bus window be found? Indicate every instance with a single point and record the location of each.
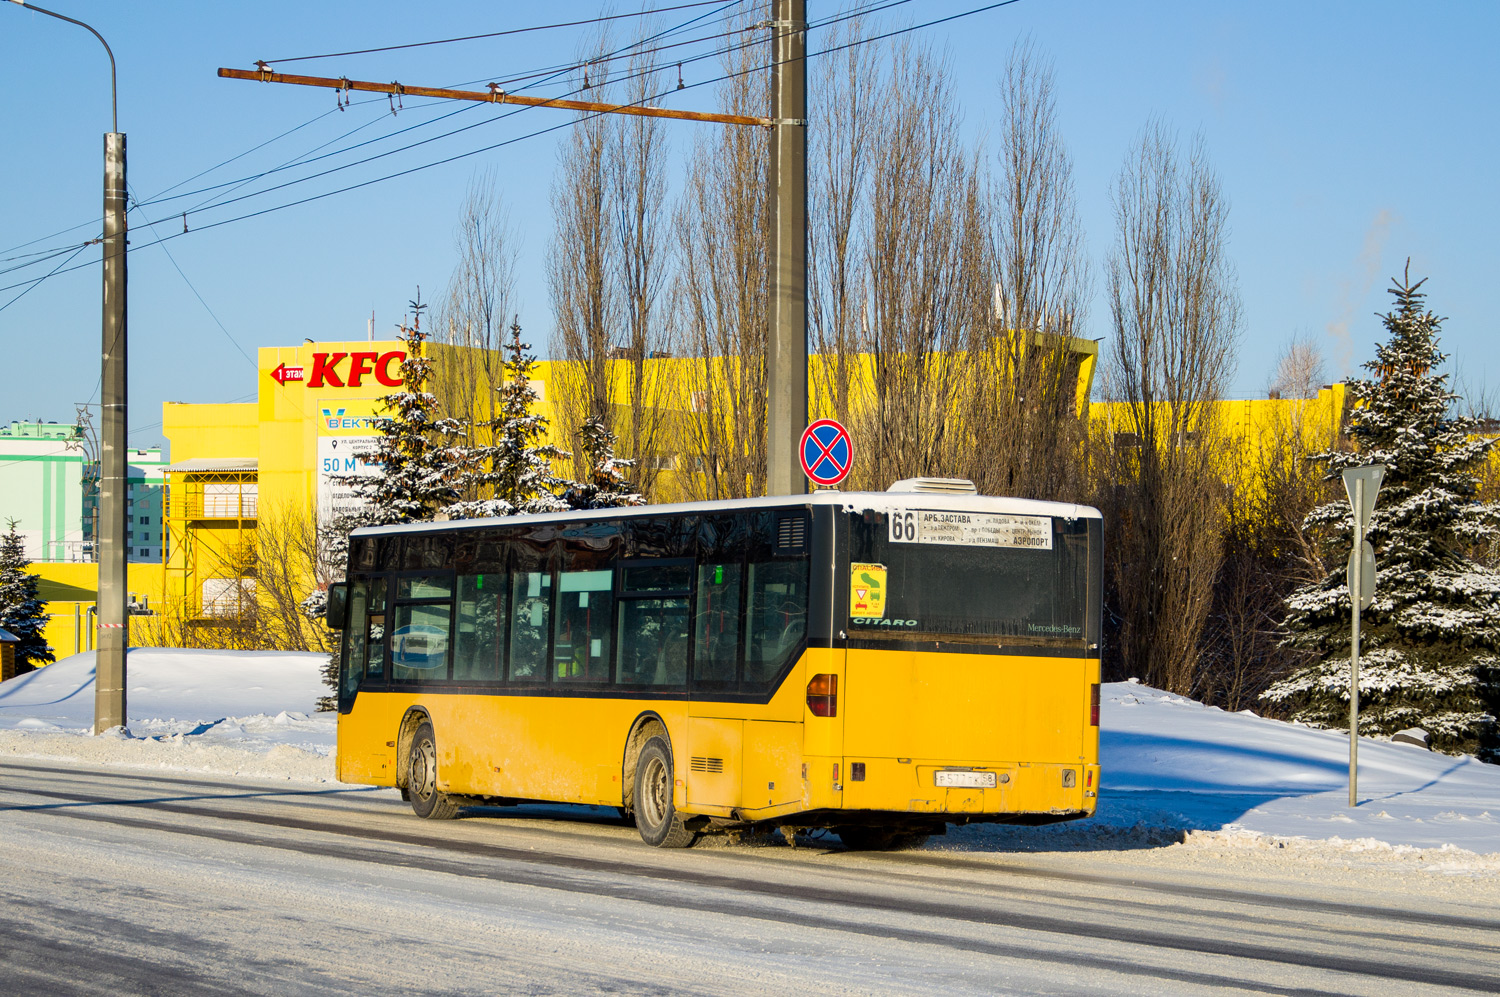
(867, 591)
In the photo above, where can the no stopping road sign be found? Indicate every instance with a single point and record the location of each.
(826, 453)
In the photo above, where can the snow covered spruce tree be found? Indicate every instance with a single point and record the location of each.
(418, 465)
(1430, 641)
(605, 486)
(22, 611)
(517, 469)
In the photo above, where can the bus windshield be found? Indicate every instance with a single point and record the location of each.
(967, 576)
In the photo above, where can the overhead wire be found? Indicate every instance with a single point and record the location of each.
(498, 34)
(546, 75)
(33, 283)
(176, 266)
(221, 201)
(553, 128)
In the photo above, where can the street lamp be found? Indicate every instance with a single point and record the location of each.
(114, 467)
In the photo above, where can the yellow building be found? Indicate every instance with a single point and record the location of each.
(238, 468)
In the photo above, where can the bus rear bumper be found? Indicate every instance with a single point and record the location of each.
(963, 792)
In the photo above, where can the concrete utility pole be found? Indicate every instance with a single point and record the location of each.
(786, 238)
(786, 344)
(114, 469)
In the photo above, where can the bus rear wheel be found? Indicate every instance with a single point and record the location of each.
(421, 778)
(880, 839)
(655, 817)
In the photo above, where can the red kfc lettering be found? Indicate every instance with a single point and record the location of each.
(323, 364)
(359, 366)
(383, 368)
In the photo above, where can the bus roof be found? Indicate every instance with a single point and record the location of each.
(850, 501)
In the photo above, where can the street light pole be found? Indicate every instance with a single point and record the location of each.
(114, 466)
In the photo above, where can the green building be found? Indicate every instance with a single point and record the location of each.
(48, 486)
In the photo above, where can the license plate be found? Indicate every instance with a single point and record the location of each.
(966, 780)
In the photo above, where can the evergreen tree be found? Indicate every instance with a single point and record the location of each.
(419, 466)
(419, 462)
(519, 464)
(22, 611)
(606, 486)
(1430, 640)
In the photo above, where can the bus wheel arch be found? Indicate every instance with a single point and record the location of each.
(646, 726)
(410, 721)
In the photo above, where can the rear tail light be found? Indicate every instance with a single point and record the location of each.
(1094, 705)
(823, 695)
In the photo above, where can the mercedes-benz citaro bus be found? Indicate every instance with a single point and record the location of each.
(883, 664)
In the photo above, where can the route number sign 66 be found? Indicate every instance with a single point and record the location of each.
(903, 527)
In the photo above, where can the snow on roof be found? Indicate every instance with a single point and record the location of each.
(849, 501)
(6, 637)
(204, 464)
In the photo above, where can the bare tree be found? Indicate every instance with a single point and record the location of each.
(1175, 313)
(839, 139)
(582, 261)
(925, 218)
(720, 230)
(1028, 426)
(1300, 370)
(468, 368)
(636, 170)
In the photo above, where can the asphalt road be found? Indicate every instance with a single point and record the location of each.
(136, 883)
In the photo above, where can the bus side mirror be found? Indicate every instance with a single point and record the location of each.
(337, 616)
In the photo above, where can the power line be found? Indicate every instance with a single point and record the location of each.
(538, 132)
(498, 34)
(236, 184)
(189, 283)
(546, 75)
(55, 270)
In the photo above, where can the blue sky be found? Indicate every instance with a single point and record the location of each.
(1349, 136)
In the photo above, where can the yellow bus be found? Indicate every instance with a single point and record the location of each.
(883, 664)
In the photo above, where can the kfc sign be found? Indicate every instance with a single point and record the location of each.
(386, 367)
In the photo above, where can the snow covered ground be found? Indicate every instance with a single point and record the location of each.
(1174, 770)
(249, 713)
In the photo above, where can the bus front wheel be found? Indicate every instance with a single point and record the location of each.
(655, 816)
(421, 778)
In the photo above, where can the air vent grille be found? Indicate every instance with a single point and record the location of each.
(702, 764)
(791, 534)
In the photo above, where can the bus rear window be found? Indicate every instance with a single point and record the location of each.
(967, 575)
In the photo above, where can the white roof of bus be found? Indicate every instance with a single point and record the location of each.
(851, 501)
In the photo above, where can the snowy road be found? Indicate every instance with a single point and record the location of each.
(129, 883)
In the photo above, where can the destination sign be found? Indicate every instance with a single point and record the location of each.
(970, 529)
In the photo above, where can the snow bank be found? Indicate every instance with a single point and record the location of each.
(1174, 770)
(247, 713)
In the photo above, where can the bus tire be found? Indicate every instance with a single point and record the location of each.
(879, 839)
(421, 778)
(655, 817)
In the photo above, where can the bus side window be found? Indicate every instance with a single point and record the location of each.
(375, 635)
(653, 623)
(580, 647)
(481, 624)
(419, 643)
(355, 638)
(532, 608)
(776, 617)
(653, 642)
(716, 630)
